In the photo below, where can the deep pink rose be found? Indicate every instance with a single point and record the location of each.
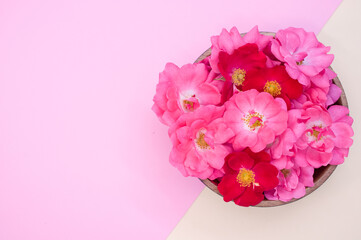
(320, 133)
(256, 118)
(200, 142)
(182, 90)
(304, 56)
(292, 183)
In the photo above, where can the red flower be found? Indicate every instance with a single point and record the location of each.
(247, 176)
(275, 81)
(235, 67)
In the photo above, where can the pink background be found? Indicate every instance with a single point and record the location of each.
(81, 154)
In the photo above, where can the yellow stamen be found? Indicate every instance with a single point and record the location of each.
(189, 105)
(257, 123)
(238, 76)
(245, 177)
(299, 63)
(273, 88)
(201, 142)
(285, 172)
(315, 133)
(253, 120)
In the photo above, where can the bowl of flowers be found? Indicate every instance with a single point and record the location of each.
(260, 118)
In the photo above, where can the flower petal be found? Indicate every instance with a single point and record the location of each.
(266, 175)
(249, 198)
(229, 188)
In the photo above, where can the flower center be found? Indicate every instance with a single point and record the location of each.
(316, 132)
(245, 177)
(273, 88)
(201, 142)
(189, 105)
(254, 120)
(285, 172)
(299, 63)
(238, 76)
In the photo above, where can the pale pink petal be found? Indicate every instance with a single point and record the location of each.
(333, 94)
(306, 176)
(244, 139)
(215, 157)
(339, 155)
(262, 102)
(316, 158)
(300, 158)
(208, 94)
(245, 101)
(337, 112)
(265, 136)
(343, 133)
(279, 122)
(299, 191)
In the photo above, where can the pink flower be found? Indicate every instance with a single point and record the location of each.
(182, 90)
(283, 148)
(199, 142)
(292, 183)
(339, 115)
(320, 133)
(256, 118)
(321, 90)
(334, 93)
(303, 55)
(232, 40)
(236, 66)
(247, 176)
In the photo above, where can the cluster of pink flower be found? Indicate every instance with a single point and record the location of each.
(257, 114)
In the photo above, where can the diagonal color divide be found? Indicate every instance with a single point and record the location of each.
(81, 154)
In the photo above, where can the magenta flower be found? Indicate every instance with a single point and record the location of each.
(292, 183)
(320, 133)
(339, 115)
(321, 90)
(283, 148)
(334, 93)
(182, 90)
(232, 40)
(199, 142)
(256, 119)
(304, 56)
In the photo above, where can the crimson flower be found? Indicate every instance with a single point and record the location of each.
(276, 82)
(235, 67)
(247, 176)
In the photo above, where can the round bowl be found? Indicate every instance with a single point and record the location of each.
(320, 175)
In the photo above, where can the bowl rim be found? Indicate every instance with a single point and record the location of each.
(322, 173)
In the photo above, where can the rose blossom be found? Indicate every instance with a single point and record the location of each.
(339, 115)
(247, 175)
(256, 119)
(319, 133)
(292, 183)
(321, 91)
(199, 142)
(182, 90)
(236, 66)
(303, 54)
(276, 82)
(232, 40)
